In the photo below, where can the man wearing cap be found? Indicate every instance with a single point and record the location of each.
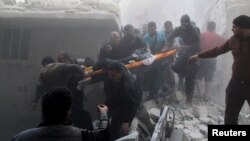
(238, 89)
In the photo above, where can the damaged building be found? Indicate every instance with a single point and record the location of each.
(32, 29)
(37, 29)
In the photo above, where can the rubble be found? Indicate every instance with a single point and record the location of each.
(204, 120)
(177, 135)
(186, 115)
(203, 129)
(193, 122)
(196, 136)
(200, 112)
(155, 112)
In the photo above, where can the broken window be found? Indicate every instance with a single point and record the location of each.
(15, 43)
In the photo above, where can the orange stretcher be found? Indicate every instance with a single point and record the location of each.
(132, 67)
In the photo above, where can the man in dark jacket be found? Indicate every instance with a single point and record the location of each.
(123, 97)
(39, 89)
(56, 105)
(67, 75)
(238, 89)
(111, 50)
(130, 42)
(191, 44)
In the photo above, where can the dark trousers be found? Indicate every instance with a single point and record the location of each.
(189, 84)
(153, 80)
(168, 81)
(236, 94)
(187, 81)
(116, 123)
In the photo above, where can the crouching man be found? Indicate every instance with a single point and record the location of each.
(56, 105)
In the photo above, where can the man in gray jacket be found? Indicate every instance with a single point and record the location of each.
(56, 105)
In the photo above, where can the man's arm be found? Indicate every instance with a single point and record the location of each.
(102, 133)
(211, 53)
(146, 42)
(170, 40)
(165, 46)
(103, 109)
(38, 95)
(214, 52)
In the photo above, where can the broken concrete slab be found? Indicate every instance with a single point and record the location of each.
(203, 129)
(179, 126)
(150, 104)
(186, 115)
(212, 122)
(204, 120)
(200, 111)
(196, 136)
(177, 135)
(220, 108)
(186, 135)
(213, 111)
(156, 112)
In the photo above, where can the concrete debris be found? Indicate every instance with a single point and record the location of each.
(191, 124)
(177, 135)
(155, 112)
(203, 129)
(194, 121)
(212, 122)
(212, 110)
(150, 104)
(220, 108)
(179, 126)
(196, 136)
(200, 112)
(186, 115)
(204, 120)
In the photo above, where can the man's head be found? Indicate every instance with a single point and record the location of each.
(185, 21)
(128, 31)
(241, 26)
(64, 58)
(168, 26)
(211, 26)
(89, 62)
(152, 28)
(115, 38)
(115, 71)
(47, 60)
(56, 104)
(137, 32)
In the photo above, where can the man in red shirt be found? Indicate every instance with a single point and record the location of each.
(207, 67)
(238, 89)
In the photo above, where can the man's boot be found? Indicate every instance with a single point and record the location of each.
(189, 100)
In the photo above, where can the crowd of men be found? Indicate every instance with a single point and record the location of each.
(62, 102)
